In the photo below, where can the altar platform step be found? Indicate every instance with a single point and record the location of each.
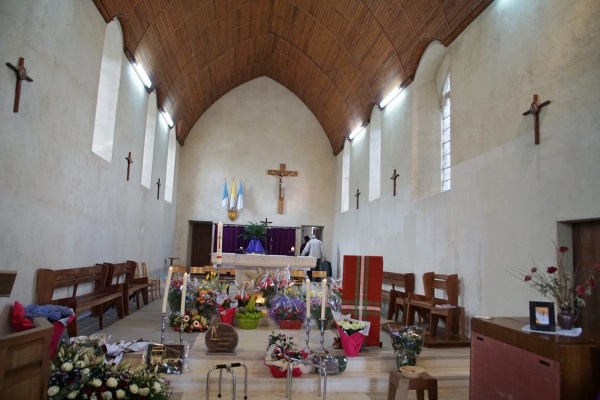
(365, 378)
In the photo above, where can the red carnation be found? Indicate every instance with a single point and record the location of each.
(551, 270)
(597, 266)
(534, 270)
(527, 278)
(563, 249)
(592, 283)
(580, 290)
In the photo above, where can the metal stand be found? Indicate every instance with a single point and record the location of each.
(307, 349)
(316, 362)
(181, 328)
(321, 349)
(162, 327)
(228, 368)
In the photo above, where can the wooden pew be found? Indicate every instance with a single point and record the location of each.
(124, 273)
(96, 295)
(25, 364)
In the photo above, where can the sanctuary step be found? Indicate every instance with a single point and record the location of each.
(365, 378)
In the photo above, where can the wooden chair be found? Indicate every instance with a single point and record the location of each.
(431, 308)
(319, 275)
(199, 272)
(153, 283)
(399, 298)
(298, 276)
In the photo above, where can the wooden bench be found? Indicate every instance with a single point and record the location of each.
(25, 364)
(394, 297)
(97, 294)
(124, 273)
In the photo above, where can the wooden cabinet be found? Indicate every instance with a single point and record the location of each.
(508, 363)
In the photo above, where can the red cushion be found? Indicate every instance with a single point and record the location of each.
(19, 321)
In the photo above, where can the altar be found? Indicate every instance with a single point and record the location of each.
(249, 266)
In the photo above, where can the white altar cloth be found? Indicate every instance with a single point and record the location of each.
(264, 261)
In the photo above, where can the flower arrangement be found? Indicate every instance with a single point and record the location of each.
(351, 326)
(408, 343)
(79, 371)
(249, 311)
(557, 285)
(193, 321)
(281, 350)
(288, 308)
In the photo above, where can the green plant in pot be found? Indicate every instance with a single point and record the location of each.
(249, 316)
(255, 232)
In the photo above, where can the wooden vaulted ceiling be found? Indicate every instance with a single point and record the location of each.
(340, 57)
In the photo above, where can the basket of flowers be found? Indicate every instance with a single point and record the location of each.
(193, 321)
(288, 311)
(280, 352)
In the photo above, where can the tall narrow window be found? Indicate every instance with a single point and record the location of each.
(171, 153)
(149, 141)
(108, 92)
(446, 133)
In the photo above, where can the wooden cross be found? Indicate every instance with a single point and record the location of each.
(357, 195)
(158, 189)
(129, 162)
(266, 222)
(534, 109)
(21, 76)
(394, 177)
(281, 173)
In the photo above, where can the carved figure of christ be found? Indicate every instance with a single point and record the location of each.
(282, 174)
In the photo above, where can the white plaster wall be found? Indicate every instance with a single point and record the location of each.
(61, 205)
(507, 193)
(254, 128)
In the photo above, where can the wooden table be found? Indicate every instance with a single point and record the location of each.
(399, 386)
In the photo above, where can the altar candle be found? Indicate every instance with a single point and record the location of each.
(292, 248)
(219, 243)
(183, 292)
(323, 298)
(307, 298)
(167, 286)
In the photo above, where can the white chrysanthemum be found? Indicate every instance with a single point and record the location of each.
(157, 386)
(107, 396)
(134, 388)
(144, 391)
(85, 371)
(112, 382)
(73, 395)
(66, 366)
(52, 390)
(121, 394)
(97, 382)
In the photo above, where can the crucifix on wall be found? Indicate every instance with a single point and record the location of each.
(21, 76)
(282, 174)
(158, 189)
(129, 162)
(535, 109)
(357, 195)
(394, 177)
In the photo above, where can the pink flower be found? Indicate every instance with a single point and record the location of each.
(597, 266)
(527, 278)
(563, 249)
(534, 270)
(592, 282)
(551, 270)
(580, 290)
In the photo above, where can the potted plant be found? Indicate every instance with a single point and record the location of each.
(255, 232)
(408, 343)
(249, 316)
(281, 351)
(288, 311)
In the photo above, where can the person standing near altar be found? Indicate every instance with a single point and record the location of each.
(303, 245)
(314, 248)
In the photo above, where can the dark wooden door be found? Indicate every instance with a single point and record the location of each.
(201, 243)
(586, 252)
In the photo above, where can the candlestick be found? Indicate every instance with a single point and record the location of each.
(167, 286)
(183, 292)
(162, 327)
(219, 243)
(323, 298)
(321, 349)
(292, 248)
(308, 298)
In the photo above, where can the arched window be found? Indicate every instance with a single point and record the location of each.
(108, 92)
(446, 136)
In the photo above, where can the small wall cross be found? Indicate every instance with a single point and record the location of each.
(357, 196)
(394, 177)
(158, 189)
(534, 109)
(21, 76)
(129, 162)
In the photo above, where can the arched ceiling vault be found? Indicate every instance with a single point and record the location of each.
(340, 57)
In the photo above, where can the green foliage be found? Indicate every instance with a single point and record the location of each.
(254, 230)
(250, 311)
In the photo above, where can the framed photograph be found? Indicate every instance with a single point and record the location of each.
(541, 316)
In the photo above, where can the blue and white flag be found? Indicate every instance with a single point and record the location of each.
(240, 197)
(225, 198)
